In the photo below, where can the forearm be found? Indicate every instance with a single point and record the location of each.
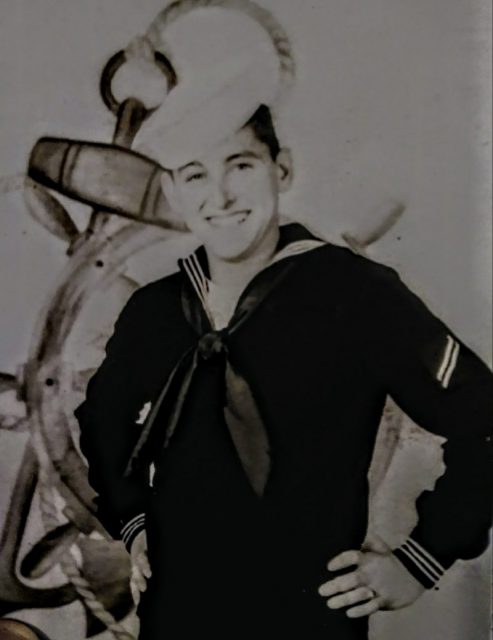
(445, 388)
(109, 425)
(119, 499)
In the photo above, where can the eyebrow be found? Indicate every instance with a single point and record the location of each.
(235, 156)
(243, 154)
(195, 164)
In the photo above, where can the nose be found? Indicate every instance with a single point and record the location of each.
(221, 196)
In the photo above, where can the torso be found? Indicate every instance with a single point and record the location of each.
(301, 351)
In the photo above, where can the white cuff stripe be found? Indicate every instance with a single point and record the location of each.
(426, 555)
(451, 367)
(416, 562)
(130, 526)
(131, 522)
(427, 569)
(129, 529)
(128, 536)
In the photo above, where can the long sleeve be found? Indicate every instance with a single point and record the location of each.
(445, 388)
(109, 427)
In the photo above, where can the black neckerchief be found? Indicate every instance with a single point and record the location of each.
(241, 414)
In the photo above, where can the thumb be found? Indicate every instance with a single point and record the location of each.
(146, 567)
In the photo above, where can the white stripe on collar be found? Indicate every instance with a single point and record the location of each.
(196, 275)
(200, 281)
(295, 248)
(203, 286)
(204, 282)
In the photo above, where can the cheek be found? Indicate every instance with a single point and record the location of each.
(257, 187)
(190, 203)
(194, 222)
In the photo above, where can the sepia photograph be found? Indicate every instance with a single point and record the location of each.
(246, 320)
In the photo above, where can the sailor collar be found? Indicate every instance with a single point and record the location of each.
(294, 240)
(241, 414)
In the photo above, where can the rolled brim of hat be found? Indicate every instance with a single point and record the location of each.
(201, 112)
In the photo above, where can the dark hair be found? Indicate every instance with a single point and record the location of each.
(263, 127)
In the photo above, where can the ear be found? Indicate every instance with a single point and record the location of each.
(284, 163)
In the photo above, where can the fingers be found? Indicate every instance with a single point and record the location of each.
(365, 609)
(142, 565)
(137, 584)
(341, 584)
(351, 597)
(145, 567)
(138, 579)
(350, 588)
(140, 571)
(345, 560)
(135, 592)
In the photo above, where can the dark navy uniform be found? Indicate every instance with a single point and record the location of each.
(321, 352)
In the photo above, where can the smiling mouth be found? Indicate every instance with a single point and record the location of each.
(228, 219)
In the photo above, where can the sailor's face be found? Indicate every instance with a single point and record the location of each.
(229, 197)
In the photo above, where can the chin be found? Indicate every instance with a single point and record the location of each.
(230, 251)
(231, 245)
(238, 242)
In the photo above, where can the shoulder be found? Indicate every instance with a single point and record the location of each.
(352, 269)
(156, 293)
(368, 288)
(151, 306)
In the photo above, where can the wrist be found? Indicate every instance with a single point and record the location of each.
(420, 563)
(132, 529)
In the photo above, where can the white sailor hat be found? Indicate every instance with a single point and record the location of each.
(227, 68)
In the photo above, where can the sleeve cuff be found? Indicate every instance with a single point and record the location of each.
(421, 564)
(132, 529)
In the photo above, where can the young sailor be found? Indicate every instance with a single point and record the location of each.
(230, 429)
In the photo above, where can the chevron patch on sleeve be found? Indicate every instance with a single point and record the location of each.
(448, 362)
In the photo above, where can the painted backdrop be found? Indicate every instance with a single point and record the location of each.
(391, 105)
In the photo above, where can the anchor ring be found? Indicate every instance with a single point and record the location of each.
(118, 60)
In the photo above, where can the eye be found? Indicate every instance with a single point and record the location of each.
(243, 166)
(194, 177)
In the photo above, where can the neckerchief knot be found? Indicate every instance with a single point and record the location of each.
(212, 344)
